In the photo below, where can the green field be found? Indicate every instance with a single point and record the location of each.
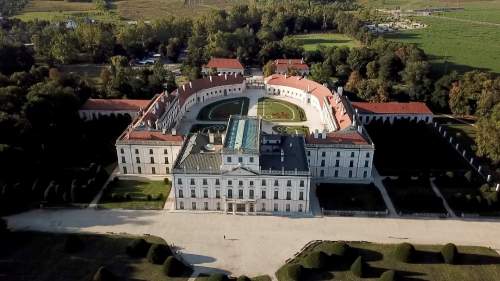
(313, 41)
(121, 10)
(279, 110)
(138, 192)
(39, 256)
(221, 110)
(474, 263)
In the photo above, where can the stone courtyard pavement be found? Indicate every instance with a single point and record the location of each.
(254, 245)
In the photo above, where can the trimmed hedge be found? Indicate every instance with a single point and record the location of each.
(138, 248)
(316, 260)
(290, 272)
(158, 253)
(172, 267)
(389, 275)
(358, 267)
(218, 277)
(449, 253)
(103, 274)
(337, 248)
(73, 244)
(404, 252)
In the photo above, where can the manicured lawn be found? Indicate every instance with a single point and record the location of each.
(474, 263)
(350, 197)
(413, 196)
(291, 129)
(37, 256)
(313, 41)
(138, 192)
(221, 110)
(280, 111)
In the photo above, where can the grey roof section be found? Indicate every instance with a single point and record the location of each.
(294, 155)
(243, 135)
(194, 156)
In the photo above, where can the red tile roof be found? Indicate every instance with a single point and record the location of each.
(339, 137)
(224, 63)
(152, 136)
(194, 86)
(114, 104)
(393, 107)
(301, 83)
(284, 64)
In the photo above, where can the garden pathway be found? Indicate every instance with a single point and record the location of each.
(377, 180)
(445, 203)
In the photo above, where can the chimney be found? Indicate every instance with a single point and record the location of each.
(184, 87)
(190, 84)
(210, 77)
(174, 132)
(316, 133)
(164, 131)
(302, 61)
(211, 137)
(323, 135)
(360, 129)
(223, 137)
(308, 89)
(149, 123)
(225, 76)
(286, 75)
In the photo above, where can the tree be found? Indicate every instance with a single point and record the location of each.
(320, 72)
(439, 97)
(96, 40)
(63, 48)
(158, 253)
(449, 253)
(172, 267)
(269, 69)
(488, 134)
(14, 58)
(415, 75)
(357, 267)
(353, 82)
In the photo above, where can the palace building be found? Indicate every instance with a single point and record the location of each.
(248, 167)
(223, 66)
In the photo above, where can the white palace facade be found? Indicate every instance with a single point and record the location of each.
(246, 169)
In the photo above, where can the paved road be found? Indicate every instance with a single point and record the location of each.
(254, 244)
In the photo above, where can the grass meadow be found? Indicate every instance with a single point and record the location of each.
(313, 41)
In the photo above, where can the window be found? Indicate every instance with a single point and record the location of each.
(217, 182)
(229, 193)
(205, 182)
(338, 153)
(137, 160)
(139, 170)
(365, 174)
(251, 159)
(263, 183)
(205, 193)
(192, 181)
(367, 154)
(263, 209)
(240, 183)
(121, 150)
(366, 163)
(179, 181)
(251, 183)
(322, 173)
(240, 159)
(229, 182)
(275, 182)
(322, 163)
(263, 194)
(125, 170)
(166, 160)
(193, 205)
(276, 194)
(218, 206)
(289, 183)
(275, 207)
(352, 154)
(251, 195)
(152, 160)
(193, 193)
(336, 173)
(167, 170)
(181, 205)
(300, 207)
(123, 159)
(288, 207)
(337, 163)
(301, 183)
(165, 151)
(181, 194)
(308, 153)
(323, 154)
(228, 159)
(301, 195)
(351, 163)
(136, 151)
(150, 151)
(350, 174)
(240, 194)
(205, 205)
(288, 195)
(153, 170)
(217, 193)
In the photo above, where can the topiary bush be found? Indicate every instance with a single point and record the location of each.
(404, 252)
(337, 248)
(316, 260)
(73, 244)
(243, 278)
(138, 248)
(389, 275)
(218, 277)
(158, 253)
(358, 267)
(103, 274)
(291, 272)
(449, 253)
(172, 267)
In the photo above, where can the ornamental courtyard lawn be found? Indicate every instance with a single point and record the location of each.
(133, 194)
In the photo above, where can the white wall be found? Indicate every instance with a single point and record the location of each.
(129, 154)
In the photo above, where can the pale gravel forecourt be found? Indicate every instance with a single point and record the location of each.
(255, 245)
